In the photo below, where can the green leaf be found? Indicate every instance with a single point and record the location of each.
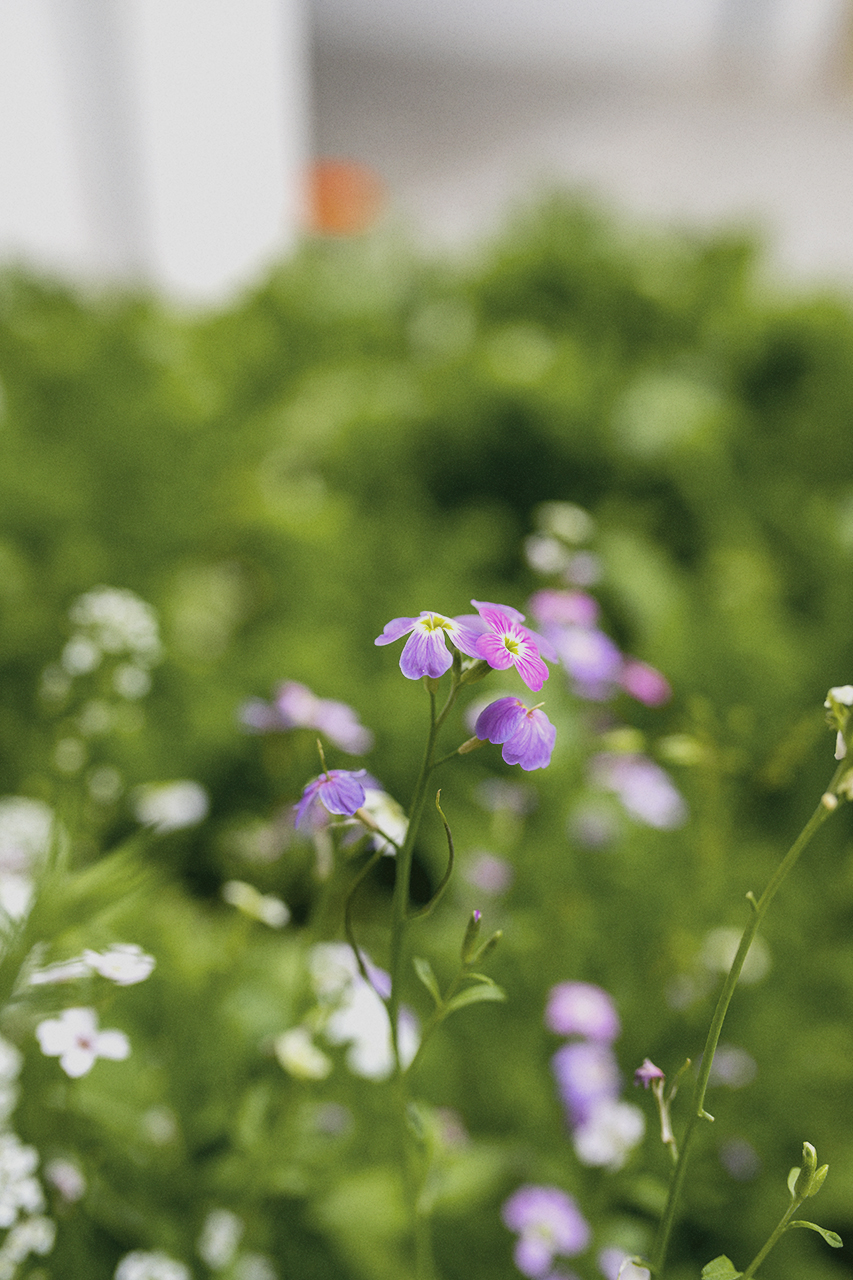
(721, 1268)
(474, 995)
(831, 1237)
(482, 977)
(423, 969)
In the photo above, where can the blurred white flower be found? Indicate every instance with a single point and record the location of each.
(20, 1190)
(67, 1177)
(170, 806)
(299, 1055)
(117, 621)
(254, 1266)
(609, 1134)
(30, 1235)
(389, 816)
(74, 1038)
(615, 1265)
(142, 1265)
(265, 907)
(124, 964)
(220, 1236)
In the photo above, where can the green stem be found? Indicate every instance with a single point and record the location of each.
(759, 909)
(774, 1238)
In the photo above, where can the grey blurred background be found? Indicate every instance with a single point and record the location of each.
(168, 140)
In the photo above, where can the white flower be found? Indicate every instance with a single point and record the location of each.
(117, 621)
(355, 1014)
(31, 1235)
(124, 964)
(74, 1038)
(265, 907)
(299, 1055)
(26, 831)
(11, 1061)
(20, 1190)
(615, 1264)
(68, 1179)
(141, 1265)
(389, 816)
(171, 806)
(608, 1135)
(220, 1236)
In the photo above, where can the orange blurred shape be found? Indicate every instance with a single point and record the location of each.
(343, 197)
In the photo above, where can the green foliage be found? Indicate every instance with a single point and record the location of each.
(363, 436)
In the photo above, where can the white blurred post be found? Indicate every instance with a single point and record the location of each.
(174, 132)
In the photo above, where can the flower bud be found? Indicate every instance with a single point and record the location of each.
(472, 933)
(807, 1174)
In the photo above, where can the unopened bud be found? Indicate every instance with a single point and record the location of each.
(472, 933)
(802, 1186)
(471, 745)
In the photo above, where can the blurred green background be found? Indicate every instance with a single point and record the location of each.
(369, 434)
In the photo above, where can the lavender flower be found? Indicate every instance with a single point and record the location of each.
(608, 1134)
(336, 790)
(564, 608)
(526, 737)
(582, 1009)
(425, 652)
(647, 1072)
(548, 1223)
(645, 683)
(592, 660)
(503, 642)
(587, 1074)
(296, 707)
(646, 791)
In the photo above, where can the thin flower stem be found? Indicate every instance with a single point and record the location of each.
(698, 1112)
(774, 1238)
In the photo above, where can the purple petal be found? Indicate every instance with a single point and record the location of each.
(507, 610)
(582, 1009)
(306, 804)
(425, 654)
(492, 648)
(532, 743)
(500, 720)
(342, 792)
(531, 668)
(394, 629)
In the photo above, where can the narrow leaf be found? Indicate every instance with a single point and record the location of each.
(831, 1237)
(474, 995)
(721, 1268)
(423, 969)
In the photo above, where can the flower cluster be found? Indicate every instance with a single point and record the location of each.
(22, 1201)
(350, 1011)
(604, 1129)
(294, 706)
(548, 1224)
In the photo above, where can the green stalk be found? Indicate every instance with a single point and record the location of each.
(774, 1238)
(759, 910)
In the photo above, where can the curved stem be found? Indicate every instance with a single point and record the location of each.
(759, 909)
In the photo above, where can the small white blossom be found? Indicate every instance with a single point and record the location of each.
(142, 1265)
(609, 1134)
(265, 907)
(124, 964)
(299, 1055)
(220, 1236)
(117, 621)
(20, 1190)
(74, 1038)
(171, 806)
(67, 1178)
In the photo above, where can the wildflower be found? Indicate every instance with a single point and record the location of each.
(220, 1236)
(645, 683)
(608, 1134)
(296, 707)
(171, 806)
(337, 790)
(67, 1177)
(505, 643)
(265, 907)
(353, 1012)
(616, 1264)
(582, 1009)
(489, 873)
(646, 791)
(142, 1265)
(114, 620)
(425, 652)
(125, 964)
(647, 1072)
(586, 1074)
(31, 1235)
(526, 736)
(592, 660)
(74, 1038)
(564, 608)
(548, 1223)
(20, 1190)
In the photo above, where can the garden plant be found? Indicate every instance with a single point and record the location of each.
(345, 938)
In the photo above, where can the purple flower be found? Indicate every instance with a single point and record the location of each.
(582, 1009)
(646, 791)
(503, 642)
(526, 737)
(564, 608)
(548, 1222)
(296, 707)
(425, 652)
(336, 790)
(586, 1074)
(647, 1072)
(645, 683)
(592, 660)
